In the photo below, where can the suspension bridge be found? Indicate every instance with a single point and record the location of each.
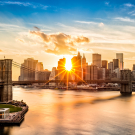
(6, 82)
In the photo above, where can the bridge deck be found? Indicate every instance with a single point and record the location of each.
(65, 81)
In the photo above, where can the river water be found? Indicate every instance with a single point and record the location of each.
(54, 112)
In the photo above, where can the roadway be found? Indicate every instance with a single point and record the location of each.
(65, 81)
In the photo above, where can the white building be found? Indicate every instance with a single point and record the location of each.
(4, 113)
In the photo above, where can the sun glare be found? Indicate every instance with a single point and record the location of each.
(68, 64)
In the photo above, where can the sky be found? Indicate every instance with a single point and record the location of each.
(48, 30)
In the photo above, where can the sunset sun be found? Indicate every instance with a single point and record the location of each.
(68, 64)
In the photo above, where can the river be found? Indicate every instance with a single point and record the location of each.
(54, 112)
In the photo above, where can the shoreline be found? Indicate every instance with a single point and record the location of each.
(16, 118)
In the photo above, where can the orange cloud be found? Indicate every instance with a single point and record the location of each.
(1, 50)
(62, 43)
(20, 40)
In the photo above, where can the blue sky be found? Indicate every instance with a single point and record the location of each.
(47, 29)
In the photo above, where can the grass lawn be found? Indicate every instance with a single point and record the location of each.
(12, 108)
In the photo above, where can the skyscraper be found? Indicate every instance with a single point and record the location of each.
(110, 66)
(101, 73)
(84, 64)
(76, 66)
(27, 71)
(96, 59)
(120, 57)
(105, 64)
(61, 68)
(38, 72)
(33, 70)
(116, 63)
(133, 67)
(91, 72)
(53, 76)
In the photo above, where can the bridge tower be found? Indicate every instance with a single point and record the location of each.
(6, 79)
(126, 75)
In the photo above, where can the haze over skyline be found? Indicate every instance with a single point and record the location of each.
(49, 30)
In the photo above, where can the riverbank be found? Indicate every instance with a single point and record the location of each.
(14, 118)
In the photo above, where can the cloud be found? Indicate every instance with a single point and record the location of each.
(1, 50)
(20, 40)
(101, 24)
(126, 19)
(37, 28)
(129, 5)
(15, 3)
(113, 47)
(85, 22)
(60, 43)
(107, 3)
(26, 4)
(95, 23)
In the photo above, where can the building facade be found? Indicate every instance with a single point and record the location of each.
(116, 63)
(96, 59)
(133, 67)
(91, 72)
(77, 66)
(117, 71)
(110, 66)
(105, 64)
(27, 71)
(84, 64)
(101, 73)
(120, 57)
(61, 69)
(53, 76)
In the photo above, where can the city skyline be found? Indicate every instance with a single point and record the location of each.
(76, 69)
(47, 30)
(69, 65)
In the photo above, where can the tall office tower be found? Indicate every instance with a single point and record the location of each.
(101, 73)
(105, 64)
(28, 69)
(133, 67)
(84, 64)
(120, 57)
(79, 61)
(61, 69)
(108, 74)
(53, 76)
(91, 72)
(96, 59)
(110, 66)
(116, 63)
(38, 71)
(76, 66)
